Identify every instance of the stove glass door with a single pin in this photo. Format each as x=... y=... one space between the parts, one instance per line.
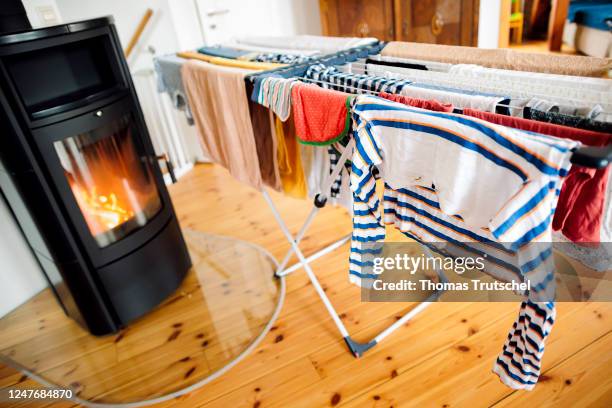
x=112 y=183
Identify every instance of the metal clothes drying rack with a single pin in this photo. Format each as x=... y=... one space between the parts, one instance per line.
x=320 y=200
x=586 y=156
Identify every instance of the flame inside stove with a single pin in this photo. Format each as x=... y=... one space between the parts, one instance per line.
x=102 y=212
x=110 y=181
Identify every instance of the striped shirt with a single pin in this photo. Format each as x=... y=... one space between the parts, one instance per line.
x=461 y=185
x=348 y=82
x=283 y=58
x=275 y=93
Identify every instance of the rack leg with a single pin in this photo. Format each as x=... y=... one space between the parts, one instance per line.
x=335 y=245
x=355 y=347
x=280 y=271
x=313 y=279
x=322 y=197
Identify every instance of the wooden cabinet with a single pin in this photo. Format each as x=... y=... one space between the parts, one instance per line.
x=452 y=22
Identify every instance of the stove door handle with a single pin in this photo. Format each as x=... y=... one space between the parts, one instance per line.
x=169 y=166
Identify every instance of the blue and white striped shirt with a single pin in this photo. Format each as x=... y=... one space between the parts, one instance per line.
x=495 y=192
x=347 y=82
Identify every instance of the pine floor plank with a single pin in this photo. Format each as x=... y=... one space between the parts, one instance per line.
x=441 y=380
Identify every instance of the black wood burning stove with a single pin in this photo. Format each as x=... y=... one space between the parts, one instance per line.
x=80 y=175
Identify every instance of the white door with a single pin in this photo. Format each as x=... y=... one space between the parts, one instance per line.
x=216 y=20
x=223 y=20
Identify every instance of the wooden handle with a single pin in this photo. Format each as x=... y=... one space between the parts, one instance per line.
x=437 y=24
x=136 y=36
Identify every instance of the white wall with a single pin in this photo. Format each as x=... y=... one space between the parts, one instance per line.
x=159 y=33
x=488 y=23
x=175 y=24
x=42 y=13
x=226 y=19
x=20 y=274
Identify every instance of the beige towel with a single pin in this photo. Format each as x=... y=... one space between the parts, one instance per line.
x=220 y=108
x=501 y=58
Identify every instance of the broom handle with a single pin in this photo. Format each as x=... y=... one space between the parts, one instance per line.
x=136 y=36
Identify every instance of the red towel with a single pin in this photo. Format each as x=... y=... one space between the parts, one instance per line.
x=579 y=212
x=321 y=116
x=418 y=103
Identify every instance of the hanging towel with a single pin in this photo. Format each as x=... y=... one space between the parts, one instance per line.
x=227 y=62
x=501 y=58
x=322 y=116
x=579 y=214
x=223 y=52
x=221 y=112
x=431 y=104
x=289 y=159
x=168 y=72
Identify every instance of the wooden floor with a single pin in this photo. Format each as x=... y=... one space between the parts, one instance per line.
x=225 y=302
x=542 y=47
x=442 y=358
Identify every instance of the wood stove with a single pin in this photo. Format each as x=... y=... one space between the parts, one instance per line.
x=80 y=174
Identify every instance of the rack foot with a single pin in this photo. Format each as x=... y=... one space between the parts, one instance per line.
x=358 y=348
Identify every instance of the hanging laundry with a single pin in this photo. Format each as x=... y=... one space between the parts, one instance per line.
x=430 y=65
x=409 y=65
x=168 y=72
x=223 y=52
x=322 y=116
x=501 y=58
x=606 y=229
x=323 y=44
x=579 y=213
x=266 y=144
x=420 y=89
x=228 y=62
x=551 y=81
x=316 y=163
x=431 y=105
x=343 y=81
x=334 y=158
x=282 y=58
x=275 y=93
x=598 y=259
x=569 y=120
x=566 y=98
x=456 y=97
x=255 y=50
x=216 y=95
x=415 y=149
x=547 y=106
x=289 y=159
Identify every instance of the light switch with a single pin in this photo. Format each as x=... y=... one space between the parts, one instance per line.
x=47 y=15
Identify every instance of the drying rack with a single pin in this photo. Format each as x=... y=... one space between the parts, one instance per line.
x=587 y=156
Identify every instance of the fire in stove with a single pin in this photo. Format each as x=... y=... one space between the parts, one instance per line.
x=112 y=185
x=102 y=212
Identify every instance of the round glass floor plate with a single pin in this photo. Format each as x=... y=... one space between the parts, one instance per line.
x=226 y=304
